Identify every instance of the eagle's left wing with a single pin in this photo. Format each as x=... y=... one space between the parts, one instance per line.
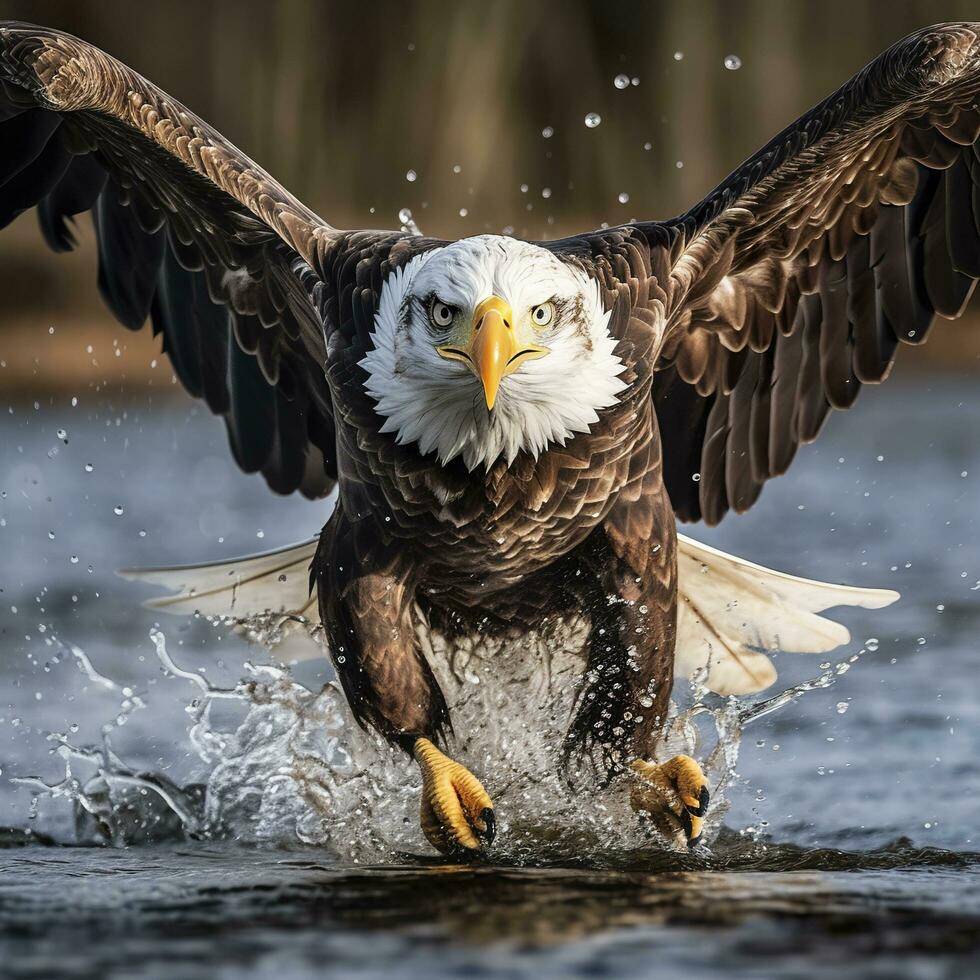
x=794 y=282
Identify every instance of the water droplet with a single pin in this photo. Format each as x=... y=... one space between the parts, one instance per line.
x=74 y=559
x=51 y=535
x=63 y=436
x=842 y=706
x=696 y=477
x=592 y=119
x=546 y=192
x=548 y=132
x=648 y=146
x=463 y=212
x=408 y=222
x=89 y=467
x=411 y=176
x=678 y=56
x=260 y=534
x=624 y=198
x=118 y=510
x=732 y=62
x=621 y=81
x=142 y=533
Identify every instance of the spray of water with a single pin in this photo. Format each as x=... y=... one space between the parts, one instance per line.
x=295 y=768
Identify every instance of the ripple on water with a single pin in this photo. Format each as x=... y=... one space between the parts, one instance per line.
x=201 y=908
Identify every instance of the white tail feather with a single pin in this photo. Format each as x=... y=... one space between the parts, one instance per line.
x=730 y=610
x=254 y=585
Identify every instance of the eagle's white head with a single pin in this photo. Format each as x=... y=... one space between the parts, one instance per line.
x=490 y=346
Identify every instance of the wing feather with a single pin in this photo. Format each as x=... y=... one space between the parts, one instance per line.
x=231 y=268
x=852 y=230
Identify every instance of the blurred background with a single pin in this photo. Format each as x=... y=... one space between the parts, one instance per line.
x=469 y=114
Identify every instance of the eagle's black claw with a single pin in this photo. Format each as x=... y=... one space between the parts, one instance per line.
x=686 y=825
x=702 y=808
x=490 y=820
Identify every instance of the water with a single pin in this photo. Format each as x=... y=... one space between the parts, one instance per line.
x=851 y=841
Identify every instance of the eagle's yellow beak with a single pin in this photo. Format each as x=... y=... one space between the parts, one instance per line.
x=493 y=349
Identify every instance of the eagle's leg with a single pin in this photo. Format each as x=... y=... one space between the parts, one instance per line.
x=632 y=561
x=457 y=814
x=368 y=608
x=674 y=795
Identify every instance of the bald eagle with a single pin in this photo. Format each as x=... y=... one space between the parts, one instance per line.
x=514 y=428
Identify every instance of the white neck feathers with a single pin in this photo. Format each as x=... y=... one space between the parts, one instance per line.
x=438 y=404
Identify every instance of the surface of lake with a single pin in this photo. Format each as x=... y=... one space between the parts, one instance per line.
x=852 y=845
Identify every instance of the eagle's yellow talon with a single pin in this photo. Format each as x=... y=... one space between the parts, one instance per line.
x=456 y=814
x=671 y=794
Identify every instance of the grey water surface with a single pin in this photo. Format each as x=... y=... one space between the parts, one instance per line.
x=852 y=846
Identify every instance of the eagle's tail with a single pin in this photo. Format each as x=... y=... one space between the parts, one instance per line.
x=730 y=610
x=254 y=585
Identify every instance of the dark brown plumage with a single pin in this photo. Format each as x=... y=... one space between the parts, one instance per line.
x=741 y=324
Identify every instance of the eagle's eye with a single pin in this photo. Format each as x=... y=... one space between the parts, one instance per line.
x=441 y=314
x=543 y=314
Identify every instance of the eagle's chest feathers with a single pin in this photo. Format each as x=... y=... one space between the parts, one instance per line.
x=496 y=531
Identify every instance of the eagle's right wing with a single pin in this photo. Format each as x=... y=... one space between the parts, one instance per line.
x=231 y=268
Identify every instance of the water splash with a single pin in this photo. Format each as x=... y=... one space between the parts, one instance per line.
x=295 y=769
